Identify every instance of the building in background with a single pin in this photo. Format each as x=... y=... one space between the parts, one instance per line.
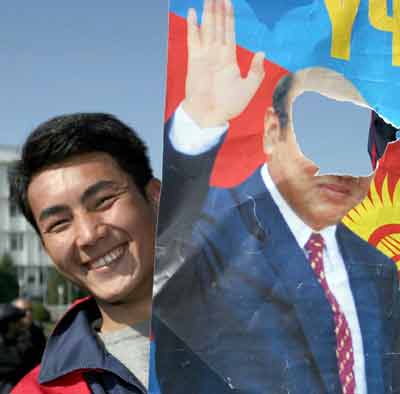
x=19 y=239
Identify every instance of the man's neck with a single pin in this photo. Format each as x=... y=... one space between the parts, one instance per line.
x=116 y=316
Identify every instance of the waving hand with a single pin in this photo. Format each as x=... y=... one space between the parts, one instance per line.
x=215 y=90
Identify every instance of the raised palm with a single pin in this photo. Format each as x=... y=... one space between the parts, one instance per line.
x=215 y=89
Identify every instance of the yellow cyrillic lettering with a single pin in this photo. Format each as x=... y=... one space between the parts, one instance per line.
x=342 y=14
x=379 y=19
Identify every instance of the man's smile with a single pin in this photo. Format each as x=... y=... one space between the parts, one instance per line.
x=108 y=258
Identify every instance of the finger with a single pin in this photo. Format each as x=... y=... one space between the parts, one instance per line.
x=230 y=35
x=193 y=34
x=208 y=22
x=220 y=21
x=256 y=72
x=257 y=64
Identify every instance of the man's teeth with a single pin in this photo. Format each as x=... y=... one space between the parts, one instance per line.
x=108 y=258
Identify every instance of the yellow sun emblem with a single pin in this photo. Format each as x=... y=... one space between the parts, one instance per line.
x=377 y=219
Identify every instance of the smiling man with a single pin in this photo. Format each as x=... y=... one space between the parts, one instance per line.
x=85 y=184
x=271 y=293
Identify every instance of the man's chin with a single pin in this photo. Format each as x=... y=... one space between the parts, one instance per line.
x=111 y=299
x=120 y=297
x=122 y=292
x=325 y=218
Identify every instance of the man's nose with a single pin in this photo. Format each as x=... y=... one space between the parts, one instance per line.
x=89 y=229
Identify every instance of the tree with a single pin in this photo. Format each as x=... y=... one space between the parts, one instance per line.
x=40 y=313
x=9 y=288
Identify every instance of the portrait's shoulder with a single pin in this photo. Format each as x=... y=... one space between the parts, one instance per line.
x=222 y=199
x=219 y=198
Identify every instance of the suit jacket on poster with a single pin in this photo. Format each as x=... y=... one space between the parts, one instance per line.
x=247 y=313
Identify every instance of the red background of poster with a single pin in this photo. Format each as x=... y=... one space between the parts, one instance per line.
x=233 y=164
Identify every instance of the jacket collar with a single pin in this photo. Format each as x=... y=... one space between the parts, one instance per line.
x=73 y=346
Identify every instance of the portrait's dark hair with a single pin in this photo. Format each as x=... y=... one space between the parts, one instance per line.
x=66 y=136
x=280 y=100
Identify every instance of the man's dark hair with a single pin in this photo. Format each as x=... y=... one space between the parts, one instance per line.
x=280 y=100
x=65 y=136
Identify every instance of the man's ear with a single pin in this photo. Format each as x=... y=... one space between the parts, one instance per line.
x=271 y=131
x=153 y=191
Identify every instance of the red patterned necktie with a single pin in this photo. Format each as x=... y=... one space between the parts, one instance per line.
x=344 y=345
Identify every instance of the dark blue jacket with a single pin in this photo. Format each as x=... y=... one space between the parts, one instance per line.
x=247 y=303
x=75 y=363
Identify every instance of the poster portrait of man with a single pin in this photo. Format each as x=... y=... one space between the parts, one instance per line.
x=259 y=287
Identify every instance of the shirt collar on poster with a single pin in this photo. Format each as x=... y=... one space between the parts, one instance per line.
x=299 y=229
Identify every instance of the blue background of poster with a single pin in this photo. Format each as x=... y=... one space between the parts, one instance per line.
x=297 y=34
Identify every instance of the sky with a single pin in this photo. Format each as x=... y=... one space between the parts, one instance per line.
x=63 y=57
x=94 y=55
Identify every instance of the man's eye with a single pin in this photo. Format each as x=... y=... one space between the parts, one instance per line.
x=105 y=201
x=57 y=226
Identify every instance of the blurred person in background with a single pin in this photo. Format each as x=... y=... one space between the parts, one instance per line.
x=15 y=343
x=34 y=356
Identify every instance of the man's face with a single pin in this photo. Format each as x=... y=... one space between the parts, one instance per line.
x=319 y=201
x=96 y=226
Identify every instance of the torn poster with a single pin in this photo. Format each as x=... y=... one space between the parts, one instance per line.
x=275 y=269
